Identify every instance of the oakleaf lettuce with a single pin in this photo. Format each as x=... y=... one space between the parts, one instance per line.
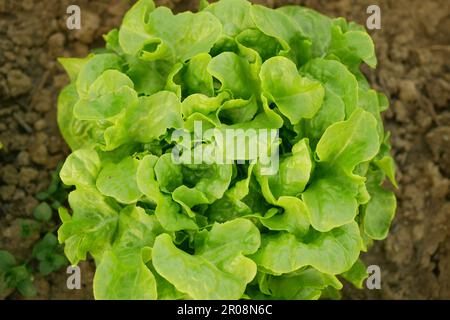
x=162 y=229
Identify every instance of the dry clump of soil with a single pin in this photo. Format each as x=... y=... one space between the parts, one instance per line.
x=413 y=70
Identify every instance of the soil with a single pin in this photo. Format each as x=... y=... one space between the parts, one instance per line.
x=413 y=48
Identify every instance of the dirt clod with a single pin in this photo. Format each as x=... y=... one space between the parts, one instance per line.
x=90 y=23
x=18 y=82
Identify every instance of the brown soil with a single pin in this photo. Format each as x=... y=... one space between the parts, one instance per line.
x=413 y=47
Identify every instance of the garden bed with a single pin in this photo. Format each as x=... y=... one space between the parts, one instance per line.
x=414 y=71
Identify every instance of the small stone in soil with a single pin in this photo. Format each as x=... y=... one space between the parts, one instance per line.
x=27 y=174
x=41 y=124
x=19 y=83
x=9 y=174
x=39 y=154
x=408 y=91
x=6 y=192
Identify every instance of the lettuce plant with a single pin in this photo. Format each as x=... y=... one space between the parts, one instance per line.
x=158 y=229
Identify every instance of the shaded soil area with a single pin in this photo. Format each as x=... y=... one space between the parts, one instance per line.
x=413 y=48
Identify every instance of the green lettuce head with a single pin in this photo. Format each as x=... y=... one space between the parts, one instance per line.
x=164 y=229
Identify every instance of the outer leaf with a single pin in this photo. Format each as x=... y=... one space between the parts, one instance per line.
x=294 y=172
x=238 y=110
x=76 y=133
x=333 y=197
x=219 y=269
x=133 y=33
x=368 y=100
x=268 y=119
x=379 y=211
x=170 y=216
x=306 y=284
x=119 y=181
x=90 y=228
x=266 y=46
x=235 y=74
x=166 y=290
x=331 y=200
x=357 y=274
x=290 y=35
x=148 y=77
x=185 y=34
x=332 y=252
x=81 y=168
x=196 y=78
x=146 y=179
x=212 y=181
x=200 y=103
x=331 y=111
x=387 y=165
x=168 y=173
x=352 y=44
x=162 y=109
x=73 y=66
x=108 y=95
x=233 y=14
x=348 y=143
x=122 y=273
x=314 y=25
x=297 y=97
x=94 y=68
x=294 y=219
x=336 y=78
x=112 y=41
x=231 y=206
x=136 y=229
